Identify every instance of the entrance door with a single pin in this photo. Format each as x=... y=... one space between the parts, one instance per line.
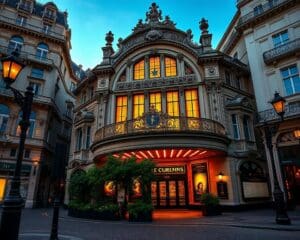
x=168 y=194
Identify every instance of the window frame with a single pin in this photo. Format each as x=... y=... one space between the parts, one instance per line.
x=235 y=127
x=282 y=37
x=4 y=117
x=291 y=77
x=195 y=108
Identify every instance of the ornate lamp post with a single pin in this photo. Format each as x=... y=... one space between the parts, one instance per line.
x=278 y=104
x=13 y=202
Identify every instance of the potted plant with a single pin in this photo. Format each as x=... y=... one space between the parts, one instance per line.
x=140 y=212
x=211 y=204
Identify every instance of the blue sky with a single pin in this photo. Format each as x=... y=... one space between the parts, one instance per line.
x=90 y=20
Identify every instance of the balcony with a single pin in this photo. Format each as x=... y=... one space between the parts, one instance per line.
x=292 y=110
x=285 y=50
x=12 y=22
x=160 y=131
x=26 y=8
x=266 y=10
x=45 y=62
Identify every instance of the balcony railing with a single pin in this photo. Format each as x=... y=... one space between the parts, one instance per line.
x=164 y=124
x=291 y=110
x=25 y=7
x=12 y=21
x=284 y=50
x=28 y=56
x=261 y=11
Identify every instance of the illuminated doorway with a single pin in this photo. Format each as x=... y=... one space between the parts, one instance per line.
x=2 y=188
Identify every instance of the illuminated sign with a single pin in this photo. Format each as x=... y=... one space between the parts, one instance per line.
x=169 y=170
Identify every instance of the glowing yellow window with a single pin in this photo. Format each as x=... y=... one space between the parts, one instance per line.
x=170 y=67
x=121 y=109
x=139 y=70
x=138 y=105
x=154 y=67
x=155 y=101
x=192 y=103
x=173 y=109
x=2 y=188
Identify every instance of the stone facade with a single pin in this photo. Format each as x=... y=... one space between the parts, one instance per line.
x=41 y=35
x=265 y=35
x=159 y=121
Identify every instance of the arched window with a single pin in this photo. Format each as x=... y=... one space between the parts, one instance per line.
x=15 y=44
x=170 y=67
x=139 y=70
x=4 y=115
x=31 y=127
x=42 y=51
x=154 y=67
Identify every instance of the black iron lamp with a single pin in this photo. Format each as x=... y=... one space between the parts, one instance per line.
x=13 y=202
x=278 y=104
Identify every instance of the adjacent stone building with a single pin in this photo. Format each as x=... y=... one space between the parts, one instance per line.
x=266 y=36
x=188 y=107
x=41 y=34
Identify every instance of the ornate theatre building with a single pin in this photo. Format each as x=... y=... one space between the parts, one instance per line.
x=186 y=106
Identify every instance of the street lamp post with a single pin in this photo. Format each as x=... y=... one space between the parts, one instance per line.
x=278 y=104
x=13 y=202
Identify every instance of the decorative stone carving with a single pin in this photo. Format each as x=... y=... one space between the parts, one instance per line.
x=109 y=38
x=153 y=35
x=102 y=83
x=154 y=15
x=203 y=25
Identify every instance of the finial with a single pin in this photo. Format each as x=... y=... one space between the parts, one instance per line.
x=109 y=38
x=153 y=15
x=203 y=25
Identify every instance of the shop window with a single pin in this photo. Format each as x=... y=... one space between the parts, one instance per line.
x=280 y=38
x=78 y=139
x=42 y=51
x=4 y=115
x=37 y=73
x=154 y=67
x=155 y=101
x=235 y=126
x=139 y=70
x=290 y=77
x=138 y=105
x=2 y=188
x=15 y=44
x=170 y=67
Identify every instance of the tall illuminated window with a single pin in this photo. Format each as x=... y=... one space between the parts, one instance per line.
x=192 y=103
x=170 y=67
x=138 y=105
x=155 y=101
x=121 y=109
x=139 y=70
x=154 y=67
x=173 y=109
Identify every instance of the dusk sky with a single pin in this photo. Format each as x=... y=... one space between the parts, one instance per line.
x=90 y=20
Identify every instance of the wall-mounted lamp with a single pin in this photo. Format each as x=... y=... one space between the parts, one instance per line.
x=220 y=176
x=35 y=164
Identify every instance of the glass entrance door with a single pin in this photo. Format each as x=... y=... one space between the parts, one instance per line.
x=168 y=194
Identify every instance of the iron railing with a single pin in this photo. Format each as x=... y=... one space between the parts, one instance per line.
x=282 y=51
x=165 y=124
x=260 y=11
x=291 y=110
x=12 y=21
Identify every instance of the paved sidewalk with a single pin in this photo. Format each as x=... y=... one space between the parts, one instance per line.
x=33 y=227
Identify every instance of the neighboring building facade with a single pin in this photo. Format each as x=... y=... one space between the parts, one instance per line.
x=42 y=36
x=266 y=36
x=186 y=106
